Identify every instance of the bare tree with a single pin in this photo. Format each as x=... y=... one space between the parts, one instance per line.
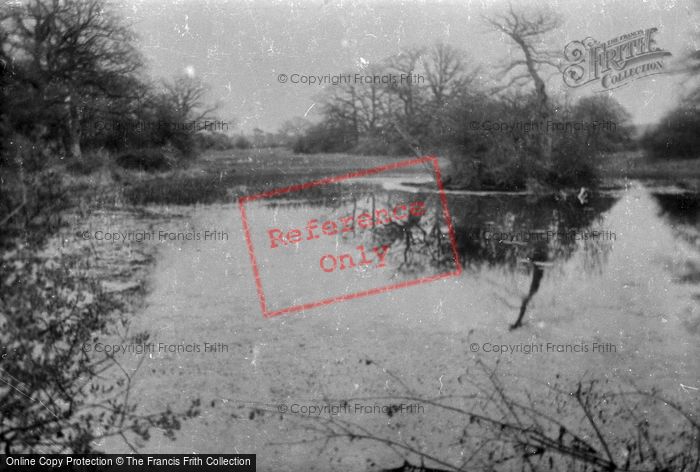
x=527 y=30
x=374 y=103
x=447 y=72
x=72 y=51
x=341 y=108
x=408 y=92
x=292 y=130
x=186 y=97
x=449 y=80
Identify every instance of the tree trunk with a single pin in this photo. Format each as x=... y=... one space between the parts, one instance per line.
x=543 y=102
x=546 y=142
x=71 y=138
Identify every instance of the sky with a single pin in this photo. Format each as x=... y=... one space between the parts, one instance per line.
x=241 y=47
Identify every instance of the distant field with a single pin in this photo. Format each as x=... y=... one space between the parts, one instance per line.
x=635 y=165
x=216 y=175
x=280 y=161
x=283 y=161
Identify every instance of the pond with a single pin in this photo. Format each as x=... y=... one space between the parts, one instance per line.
x=567 y=237
x=617 y=270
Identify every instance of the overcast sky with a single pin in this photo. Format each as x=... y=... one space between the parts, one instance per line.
x=240 y=48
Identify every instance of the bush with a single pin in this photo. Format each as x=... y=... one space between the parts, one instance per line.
x=677 y=136
x=496 y=157
x=324 y=138
x=507 y=425
x=216 y=141
x=90 y=163
x=609 y=123
x=62 y=399
x=148 y=160
x=242 y=142
x=573 y=164
x=22 y=152
x=380 y=146
x=31 y=205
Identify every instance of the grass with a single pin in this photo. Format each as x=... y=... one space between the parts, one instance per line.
x=636 y=165
x=176 y=190
x=221 y=176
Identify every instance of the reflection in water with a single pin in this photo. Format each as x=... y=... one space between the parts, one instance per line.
x=680 y=208
x=424 y=239
x=516 y=231
x=537 y=274
x=682 y=212
x=421 y=240
x=515 y=234
x=509 y=230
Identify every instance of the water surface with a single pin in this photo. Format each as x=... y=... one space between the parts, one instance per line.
x=634 y=286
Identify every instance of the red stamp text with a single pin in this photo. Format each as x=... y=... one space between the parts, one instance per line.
x=303 y=257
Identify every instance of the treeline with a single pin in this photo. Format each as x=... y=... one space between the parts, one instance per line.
x=69 y=70
x=497 y=137
x=73 y=80
x=74 y=95
x=677 y=135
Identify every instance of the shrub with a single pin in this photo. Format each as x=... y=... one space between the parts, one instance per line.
x=573 y=165
x=148 y=160
x=242 y=142
x=608 y=123
x=216 y=141
x=677 y=136
x=497 y=157
x=325 y=138
x=31 y=205
x=380 y=146
x=90 y=163
x=506 y=424
x=62 y=398
x=22 y=152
